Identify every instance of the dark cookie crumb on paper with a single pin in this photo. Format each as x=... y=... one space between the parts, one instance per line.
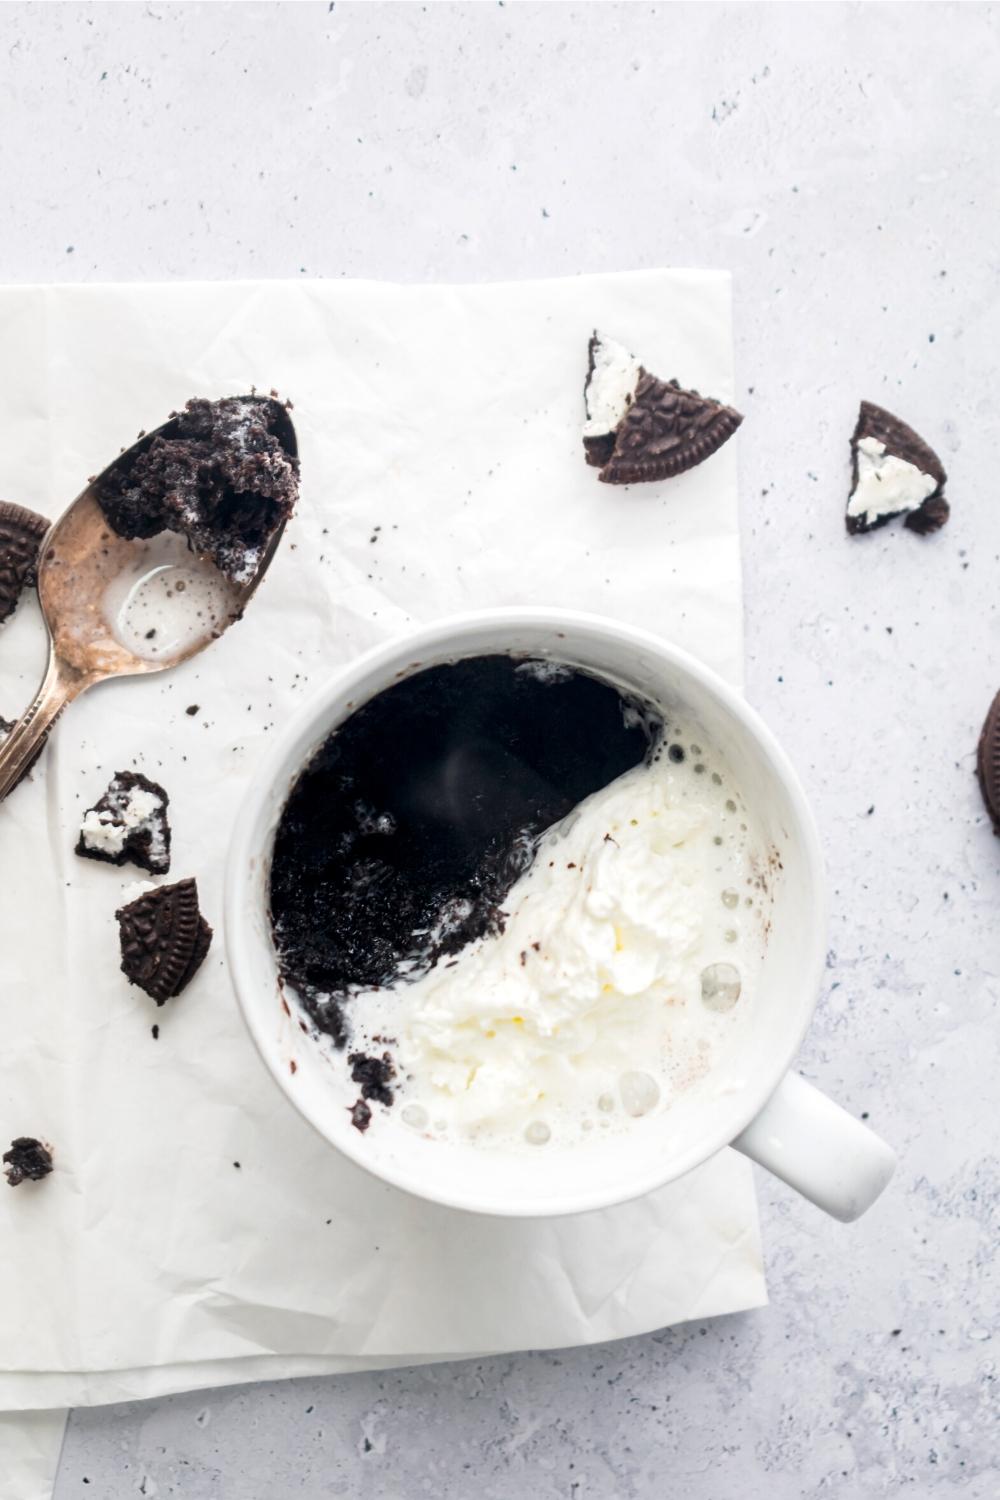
x=27 y=1160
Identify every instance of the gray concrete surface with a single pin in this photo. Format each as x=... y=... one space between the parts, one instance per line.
x=843 y=160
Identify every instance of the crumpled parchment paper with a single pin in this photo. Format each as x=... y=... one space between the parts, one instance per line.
x=196 y=1231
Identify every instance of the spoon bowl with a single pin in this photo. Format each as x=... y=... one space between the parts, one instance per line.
x=120 y=607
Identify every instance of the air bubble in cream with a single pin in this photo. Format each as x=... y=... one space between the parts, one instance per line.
x=720 y=986
x=640 y=1093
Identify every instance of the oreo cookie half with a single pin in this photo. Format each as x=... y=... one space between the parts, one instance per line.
x=129 y=822
x=893 y=473
x=27 y=1160
x=164 y=939
x=640 y=428
x=988 y=763
x=21 y=533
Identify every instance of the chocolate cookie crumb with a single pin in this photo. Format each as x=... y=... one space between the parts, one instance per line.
x=192 y=709
x=26 y=1160
x=21 y=534
x=129 y=822
x=225 y=474
x=164 y=939
x=156 y=1033
x=893 y=473
x=374 y=1075
x=361 y=1115
x=640 y=428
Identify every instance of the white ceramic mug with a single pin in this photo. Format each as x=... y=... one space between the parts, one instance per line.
x=775 y=1117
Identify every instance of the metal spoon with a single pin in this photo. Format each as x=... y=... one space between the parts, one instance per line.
x=86 y=573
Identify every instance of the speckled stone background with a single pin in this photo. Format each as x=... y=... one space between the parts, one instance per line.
x=844 y=161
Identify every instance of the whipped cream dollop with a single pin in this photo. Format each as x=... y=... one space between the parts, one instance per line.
x=887 y=485
x=589 y=1008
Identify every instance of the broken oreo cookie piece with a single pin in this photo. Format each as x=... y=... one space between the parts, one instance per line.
x=128 y=823
x=21 y=535
x=641 y=428
x=164 y=939
x=894 y=473
x=988 y=763
x=225 y=474
x=27 y=1160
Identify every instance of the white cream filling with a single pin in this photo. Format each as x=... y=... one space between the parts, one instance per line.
x=610 y=387
x=590 y=1004
x=887 y=485
x=106 y=830
x=135 y=889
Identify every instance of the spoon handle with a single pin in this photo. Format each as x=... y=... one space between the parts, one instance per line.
x=60 y=685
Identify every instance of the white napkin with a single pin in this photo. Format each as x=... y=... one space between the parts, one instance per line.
x=30 y=1444
x=441 y=469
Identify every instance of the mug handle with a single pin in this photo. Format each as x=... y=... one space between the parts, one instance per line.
x=818 y=1149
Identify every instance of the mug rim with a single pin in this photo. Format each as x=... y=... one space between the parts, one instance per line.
x=277 y=768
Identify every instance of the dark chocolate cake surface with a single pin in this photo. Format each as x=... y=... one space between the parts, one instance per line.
x=222 y=473
x=405 y=832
